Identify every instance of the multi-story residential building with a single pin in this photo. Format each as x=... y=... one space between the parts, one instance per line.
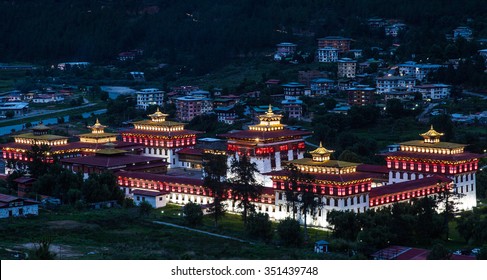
x=347 y=68
x=226 y=114
x=337 y=42
x=433 y=91
x=462 y=32
x=327 y=54
x=483 y=53
x=357 y=53
x=160 y=138
x=286 y=49
x=293 y=90
x=293 y=107
x=149 y=97
x=418 y=159
x=322 y=86
x=361 y=96
x=305 y=77
x=418 y=71
x=376 y=23
x=403 y=94
x=389 y=83
x=188 y=107
x=394 y=29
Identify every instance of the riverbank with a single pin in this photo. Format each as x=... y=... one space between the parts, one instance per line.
x=61 y=113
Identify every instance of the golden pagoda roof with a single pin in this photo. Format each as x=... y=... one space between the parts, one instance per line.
x=40 y=137
x=40 y=126
x=97 y=125
x=432 y=133
x=270 y=114
x=109 y=149
x=329 y=163
x=321 y=150
x=158 y=115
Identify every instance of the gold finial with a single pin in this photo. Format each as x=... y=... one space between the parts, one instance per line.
x=321 y=144
x=431 y=136
x=97 y=121
x=270 y=109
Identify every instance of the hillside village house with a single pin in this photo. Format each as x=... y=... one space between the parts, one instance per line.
x=12 y=206
x=226 y=115
x=286 y=49
x=327 y=54
x=361 y=96
x=149 y=97
x=293 y=107
x=433 y=91
x=389 y=83
x=293 y=90
x=462 y=32
x=321 y=86
x=188 y=107
x=418 y=71
x=17 y=108
x=337 y=42
x=347 y=68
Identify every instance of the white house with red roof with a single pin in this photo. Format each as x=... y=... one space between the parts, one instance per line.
x=12 y=206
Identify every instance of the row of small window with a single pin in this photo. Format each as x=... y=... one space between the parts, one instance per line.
x=461 y=178
x=409 y=175
x=156 y=151
x=327 y=200
x=466 y=188
x=138 y=198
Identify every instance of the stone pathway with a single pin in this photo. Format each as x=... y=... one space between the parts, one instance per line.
x=201 y=231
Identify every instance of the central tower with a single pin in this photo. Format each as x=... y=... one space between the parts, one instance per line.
x=267 y=143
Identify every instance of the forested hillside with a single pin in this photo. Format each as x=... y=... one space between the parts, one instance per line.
x=210 y=33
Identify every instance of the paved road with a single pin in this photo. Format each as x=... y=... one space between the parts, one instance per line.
x=202 y=232
x=40 y=113
x=423 y=117
x=466 y=92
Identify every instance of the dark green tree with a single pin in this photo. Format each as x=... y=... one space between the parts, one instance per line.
x=289 y=232
x=309 y=201
x=291 y=184
x=439 y=252
x=42 y=249
x=345 y=224
x=214 y=174
x=259 y=226
x=448 y=201
x=39 y=155
x=482 y=255
x=193 y=215
x=145 y=208
x=245 y=187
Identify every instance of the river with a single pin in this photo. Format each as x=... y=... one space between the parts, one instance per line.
x=8 y=129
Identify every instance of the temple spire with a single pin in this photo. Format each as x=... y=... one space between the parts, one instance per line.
x=158 y=116
x=97 y=128
x=321 y=153
x=431 y=136
x=269 y=111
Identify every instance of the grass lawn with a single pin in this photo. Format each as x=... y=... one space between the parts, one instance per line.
x=123 y=234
